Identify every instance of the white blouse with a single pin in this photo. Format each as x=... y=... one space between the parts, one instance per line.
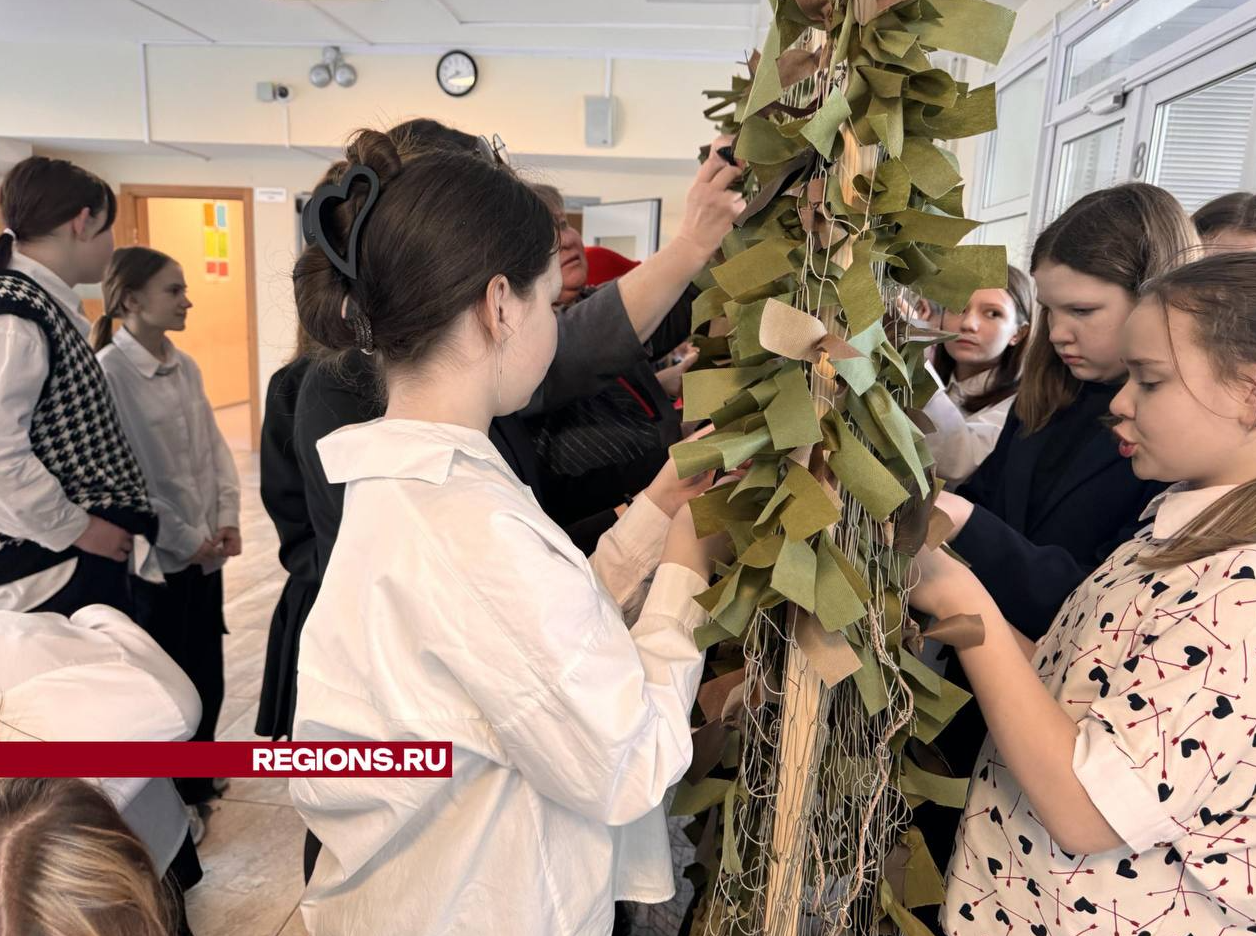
x=33 y=505
x=454 y=609
x=1155 y=667
x=190 y=473
x=97 y=676
x=963 y=440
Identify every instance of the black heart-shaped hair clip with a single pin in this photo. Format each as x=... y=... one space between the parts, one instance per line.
x=315 y=215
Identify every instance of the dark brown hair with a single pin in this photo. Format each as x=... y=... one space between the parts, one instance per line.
x=129 y=271
x=69 y=866
x=1233 y=212
x=424 y=133
x=1219 y=294
x=444 y=225
x=41 y=194
x=1123 y=235
x=1005 y=376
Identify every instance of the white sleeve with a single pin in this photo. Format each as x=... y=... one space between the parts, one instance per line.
x=963 y=440
x=98 y=677
x=594 y=716
x=33 y=505
x=161 y=704
x=224 y=462
x=628 y=553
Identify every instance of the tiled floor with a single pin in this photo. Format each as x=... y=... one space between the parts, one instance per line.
x=252 y=850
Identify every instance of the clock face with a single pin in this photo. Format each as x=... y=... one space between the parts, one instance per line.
x=456 y=73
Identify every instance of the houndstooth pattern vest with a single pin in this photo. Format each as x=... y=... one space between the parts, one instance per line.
x=75 y=431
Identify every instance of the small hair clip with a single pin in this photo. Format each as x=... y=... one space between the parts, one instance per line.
x=314 y=216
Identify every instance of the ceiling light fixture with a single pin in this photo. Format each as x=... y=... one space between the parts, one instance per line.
x=333 y=67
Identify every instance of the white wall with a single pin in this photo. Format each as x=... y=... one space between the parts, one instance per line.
x=203 y=97
x=12 y=152
x=274 y=225
x=274 y=234
x=206 y=94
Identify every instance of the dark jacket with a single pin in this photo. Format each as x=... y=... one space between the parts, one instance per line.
x=330 y=398
x=608 y=445
x=284 y=497
x=1029 y=556
x=283 y=487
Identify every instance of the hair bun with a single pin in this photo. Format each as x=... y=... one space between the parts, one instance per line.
x=376 y=151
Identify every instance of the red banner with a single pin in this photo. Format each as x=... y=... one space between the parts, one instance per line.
x=225 y=759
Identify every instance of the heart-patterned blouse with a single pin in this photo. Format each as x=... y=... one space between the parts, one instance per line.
x=1157 y=669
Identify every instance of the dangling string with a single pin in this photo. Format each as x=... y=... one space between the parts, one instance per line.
x=361 y=325
x=500 y=348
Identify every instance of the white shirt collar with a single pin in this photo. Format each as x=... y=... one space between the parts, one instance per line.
x=1179 y=505
x=403 y=448
x=56 y=287
x=142 y=358
x=975 y=385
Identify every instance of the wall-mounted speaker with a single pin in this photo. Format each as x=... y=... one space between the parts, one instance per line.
x=599 y=121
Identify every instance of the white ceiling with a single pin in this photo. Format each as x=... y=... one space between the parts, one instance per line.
x=703 y=28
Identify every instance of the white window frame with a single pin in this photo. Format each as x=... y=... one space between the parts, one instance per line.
x=1004 y=78
x=1062 y=135
x=1030 y=57
x=1237 y=55
x=1068 y=119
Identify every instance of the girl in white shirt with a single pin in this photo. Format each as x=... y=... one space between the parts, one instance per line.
x=453 y=608
x=980 y=372
x=1118 y=776
x=96 y=676
x=192 y=479
x=74 y=516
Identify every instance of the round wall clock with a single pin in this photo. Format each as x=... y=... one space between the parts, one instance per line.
x=456 y=73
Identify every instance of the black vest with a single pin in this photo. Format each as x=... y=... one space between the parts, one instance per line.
x=75 y=432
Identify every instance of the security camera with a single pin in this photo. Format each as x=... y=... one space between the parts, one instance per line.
x=268 y=91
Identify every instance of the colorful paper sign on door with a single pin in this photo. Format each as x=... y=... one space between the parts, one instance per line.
x=217 y=240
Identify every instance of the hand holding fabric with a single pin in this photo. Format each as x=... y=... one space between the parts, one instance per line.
x=946 y=586
x=683 y=547
x=668 y=491
x=670 y=377
x=710 y=205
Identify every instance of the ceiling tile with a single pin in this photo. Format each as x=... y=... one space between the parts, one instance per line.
x=85 y=21
x=256 y=21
